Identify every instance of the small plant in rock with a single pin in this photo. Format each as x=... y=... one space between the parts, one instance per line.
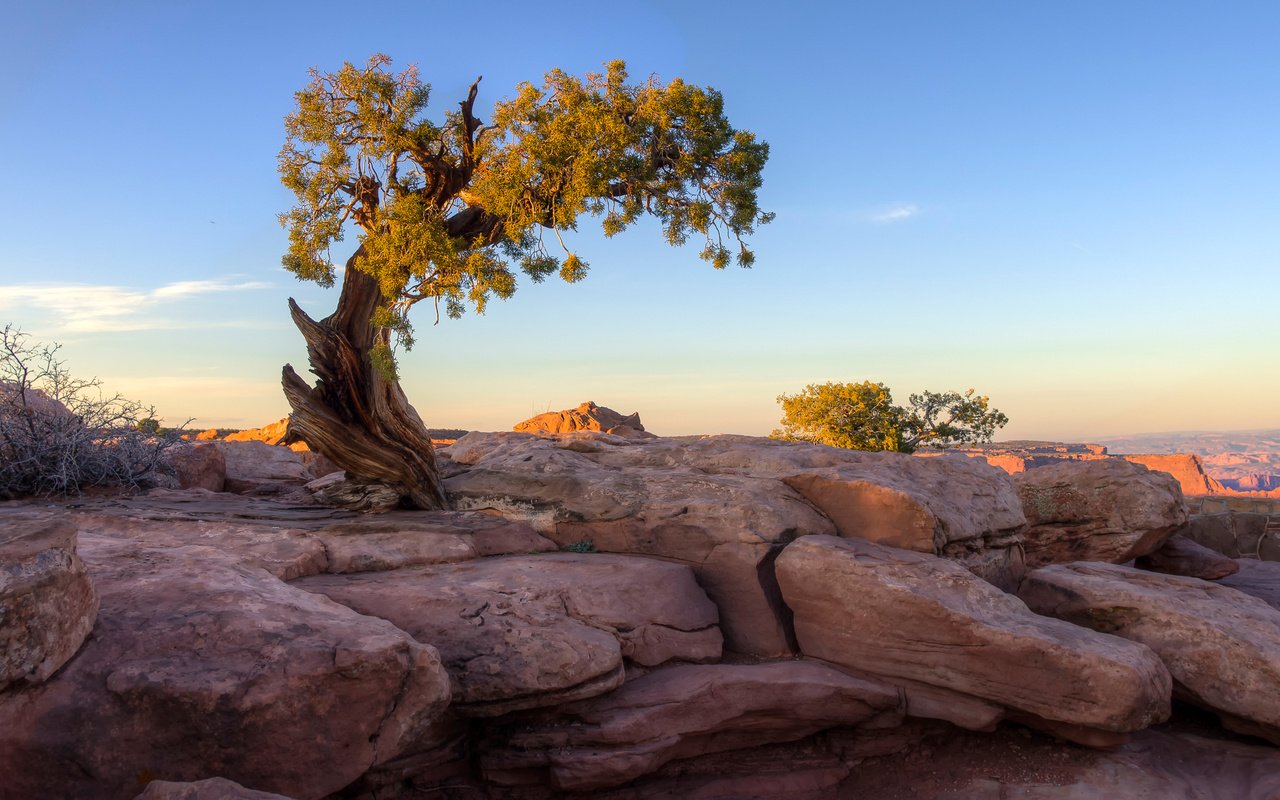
x=60 y=434
x=581 y=546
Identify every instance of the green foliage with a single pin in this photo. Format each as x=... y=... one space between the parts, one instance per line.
x=862 y=416
x=448 y=211
x=581 y=546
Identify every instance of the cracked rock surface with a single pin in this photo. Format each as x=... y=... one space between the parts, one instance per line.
x=525 y=631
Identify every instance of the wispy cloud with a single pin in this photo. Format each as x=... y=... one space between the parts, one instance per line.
x=895 y=212
x=88 y=308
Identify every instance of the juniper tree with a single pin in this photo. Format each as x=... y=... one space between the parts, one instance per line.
x=450 y=211
x=863 y=416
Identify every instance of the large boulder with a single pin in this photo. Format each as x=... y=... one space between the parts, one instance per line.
x=255 y=467
x=726 y=505
x=1222 y=646
x=586 y=417
x=524 y=632
x=914 y=619
x=200 y=465
x=47 y=602
x=201 y=666
x=682 y=712
x=1103 y=510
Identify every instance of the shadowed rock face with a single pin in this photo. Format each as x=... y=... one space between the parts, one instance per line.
x=209 y=789
x=200 y=666
x=1182 y=556
x=682 y=712
x=1107 y=510
x=522 y=632
x=1222 y=646
x=47 y=603
x=898 y=614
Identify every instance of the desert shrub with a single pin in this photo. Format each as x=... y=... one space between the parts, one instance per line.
x=581 y=546
x=60 y=434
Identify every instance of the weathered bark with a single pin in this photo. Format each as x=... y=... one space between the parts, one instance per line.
x=354 y=415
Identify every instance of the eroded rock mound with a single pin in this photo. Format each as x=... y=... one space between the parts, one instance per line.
x=586 y=417
x=1106 y=510
x=903 y=615
x=1222 y=646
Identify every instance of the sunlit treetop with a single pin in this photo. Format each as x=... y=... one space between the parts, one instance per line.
x=448 y=210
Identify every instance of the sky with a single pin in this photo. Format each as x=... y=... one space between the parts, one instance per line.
x=1071 y=207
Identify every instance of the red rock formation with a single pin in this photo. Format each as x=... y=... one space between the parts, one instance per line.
x=586 y=417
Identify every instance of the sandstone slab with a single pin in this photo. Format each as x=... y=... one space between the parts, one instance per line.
x=1221 y=646
x=523 y=632
x=47 y=602
x=1100 y=510
x=417 y=539
x=682 y=712
x=285 y=552
x=202 y=666
x=905 y=615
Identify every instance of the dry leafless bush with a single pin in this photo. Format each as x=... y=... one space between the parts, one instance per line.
x=60 y=434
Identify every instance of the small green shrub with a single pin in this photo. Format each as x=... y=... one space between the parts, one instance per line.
x=581 y=546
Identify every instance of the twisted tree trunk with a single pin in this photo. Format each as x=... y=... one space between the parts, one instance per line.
x=354 y=415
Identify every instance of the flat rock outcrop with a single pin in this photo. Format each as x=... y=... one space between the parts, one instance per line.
x=47 y=602
x=726 y=505
x=586 y=417
x=523 y=632
x=1221 y=645
x=1105 y=510
x=1182 y=556
x=682 y=712
x=908 y=616
x=202 y=666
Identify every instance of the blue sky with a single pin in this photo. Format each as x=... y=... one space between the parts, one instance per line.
x=1072 y=207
